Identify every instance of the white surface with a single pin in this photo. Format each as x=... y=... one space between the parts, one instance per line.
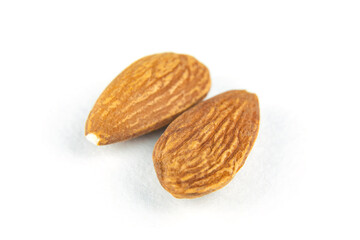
x=301 y=181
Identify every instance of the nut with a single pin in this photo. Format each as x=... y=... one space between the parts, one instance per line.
x=146 y=96
x=202 y=150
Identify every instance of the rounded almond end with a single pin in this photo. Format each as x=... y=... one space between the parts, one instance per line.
x=91 y=137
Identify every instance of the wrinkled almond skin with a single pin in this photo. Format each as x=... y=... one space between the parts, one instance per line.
x=146 y=96
x=203 y=149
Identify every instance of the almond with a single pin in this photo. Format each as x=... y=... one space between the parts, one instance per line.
x=203 y=149
x=146 y=96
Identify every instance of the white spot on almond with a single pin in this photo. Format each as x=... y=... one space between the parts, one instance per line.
x=93 y=138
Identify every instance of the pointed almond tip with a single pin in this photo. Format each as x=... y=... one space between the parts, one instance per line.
x=91 y=137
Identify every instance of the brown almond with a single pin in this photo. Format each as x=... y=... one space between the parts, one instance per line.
x=203 y=149
x=146 y=96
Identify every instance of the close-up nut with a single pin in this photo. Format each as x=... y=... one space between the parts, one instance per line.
x=146 y=96
x=202 y=150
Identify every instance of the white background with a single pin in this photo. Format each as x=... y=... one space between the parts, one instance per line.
x=301 y=180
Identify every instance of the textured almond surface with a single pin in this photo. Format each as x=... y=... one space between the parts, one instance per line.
x=146 y=96
x=205 y=147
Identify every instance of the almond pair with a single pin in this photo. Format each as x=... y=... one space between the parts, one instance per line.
x=203 y=148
